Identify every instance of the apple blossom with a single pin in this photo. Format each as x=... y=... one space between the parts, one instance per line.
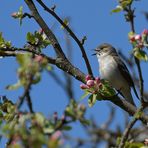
x=138 y=37
x=84 y=86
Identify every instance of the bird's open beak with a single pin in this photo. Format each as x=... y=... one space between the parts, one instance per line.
x=95 y=52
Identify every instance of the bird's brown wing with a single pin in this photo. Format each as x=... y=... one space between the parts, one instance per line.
x=125 y=73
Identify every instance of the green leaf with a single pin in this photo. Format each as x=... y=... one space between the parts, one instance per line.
x=24 y=59
x=92 y=100
x=106 y=89
x=31 y=38
x=141 y=55
x=85 y=122
x=14 y=86
x=3 y=43
x=1 y=38
x=99 y=97
x=40 y=119
x=21 y=10
x=45 y=43
x=125 y=3
x=86 y=93
x=134 y=145
x=49 y=130
x=38 y=39
x=1 y=114
x=8 y=44
x=69 y=112
x=117 y=9
x=20 y=15
x=67 y=128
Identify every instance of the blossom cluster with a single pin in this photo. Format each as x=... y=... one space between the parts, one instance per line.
x=92 y=85
x=146 y=141
x=139 y=40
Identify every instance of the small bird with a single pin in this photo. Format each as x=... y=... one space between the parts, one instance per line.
x=113 y=69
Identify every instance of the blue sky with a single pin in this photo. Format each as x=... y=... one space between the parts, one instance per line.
x=90 y=18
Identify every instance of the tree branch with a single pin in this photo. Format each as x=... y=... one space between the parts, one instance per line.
x=129 y=108
x=46 y=29
x=61 y=63
x=29 y=101
x=84 y=55
x=126 y=133
x=22 y=98
x=75 y=72
x=131 y=16
x=141 y=80
x=128 y=128
x=13 y=51
x=26 y=95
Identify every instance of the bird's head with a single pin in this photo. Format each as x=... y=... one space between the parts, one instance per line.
x=104 y=50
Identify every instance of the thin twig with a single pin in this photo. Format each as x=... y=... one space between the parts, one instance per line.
x=61 y=60
x=13 y=51
x=126 y=133
x=131 y=17
x=26 y=95
x=62 y=64
x=141 y=80
x=71 y=33
x=28 y=99
x=22 y=98
x=27 y=15
x=129 y=127
x=122 y=103
x=46 y=29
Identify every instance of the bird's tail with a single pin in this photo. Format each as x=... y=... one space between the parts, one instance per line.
x=128 y=96
x=135 y=91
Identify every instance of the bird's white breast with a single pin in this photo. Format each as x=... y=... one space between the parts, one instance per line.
x=108 y=66
x=109 y=71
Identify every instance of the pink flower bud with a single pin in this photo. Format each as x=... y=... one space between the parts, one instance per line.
x=90 y=83
x=88 y=77
x=146 y=141
x=97 y=80
x=14 y=14
x=56 y=135
x=83 y=86
x=145 y=32
x=38 y=58
x=138 y=37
